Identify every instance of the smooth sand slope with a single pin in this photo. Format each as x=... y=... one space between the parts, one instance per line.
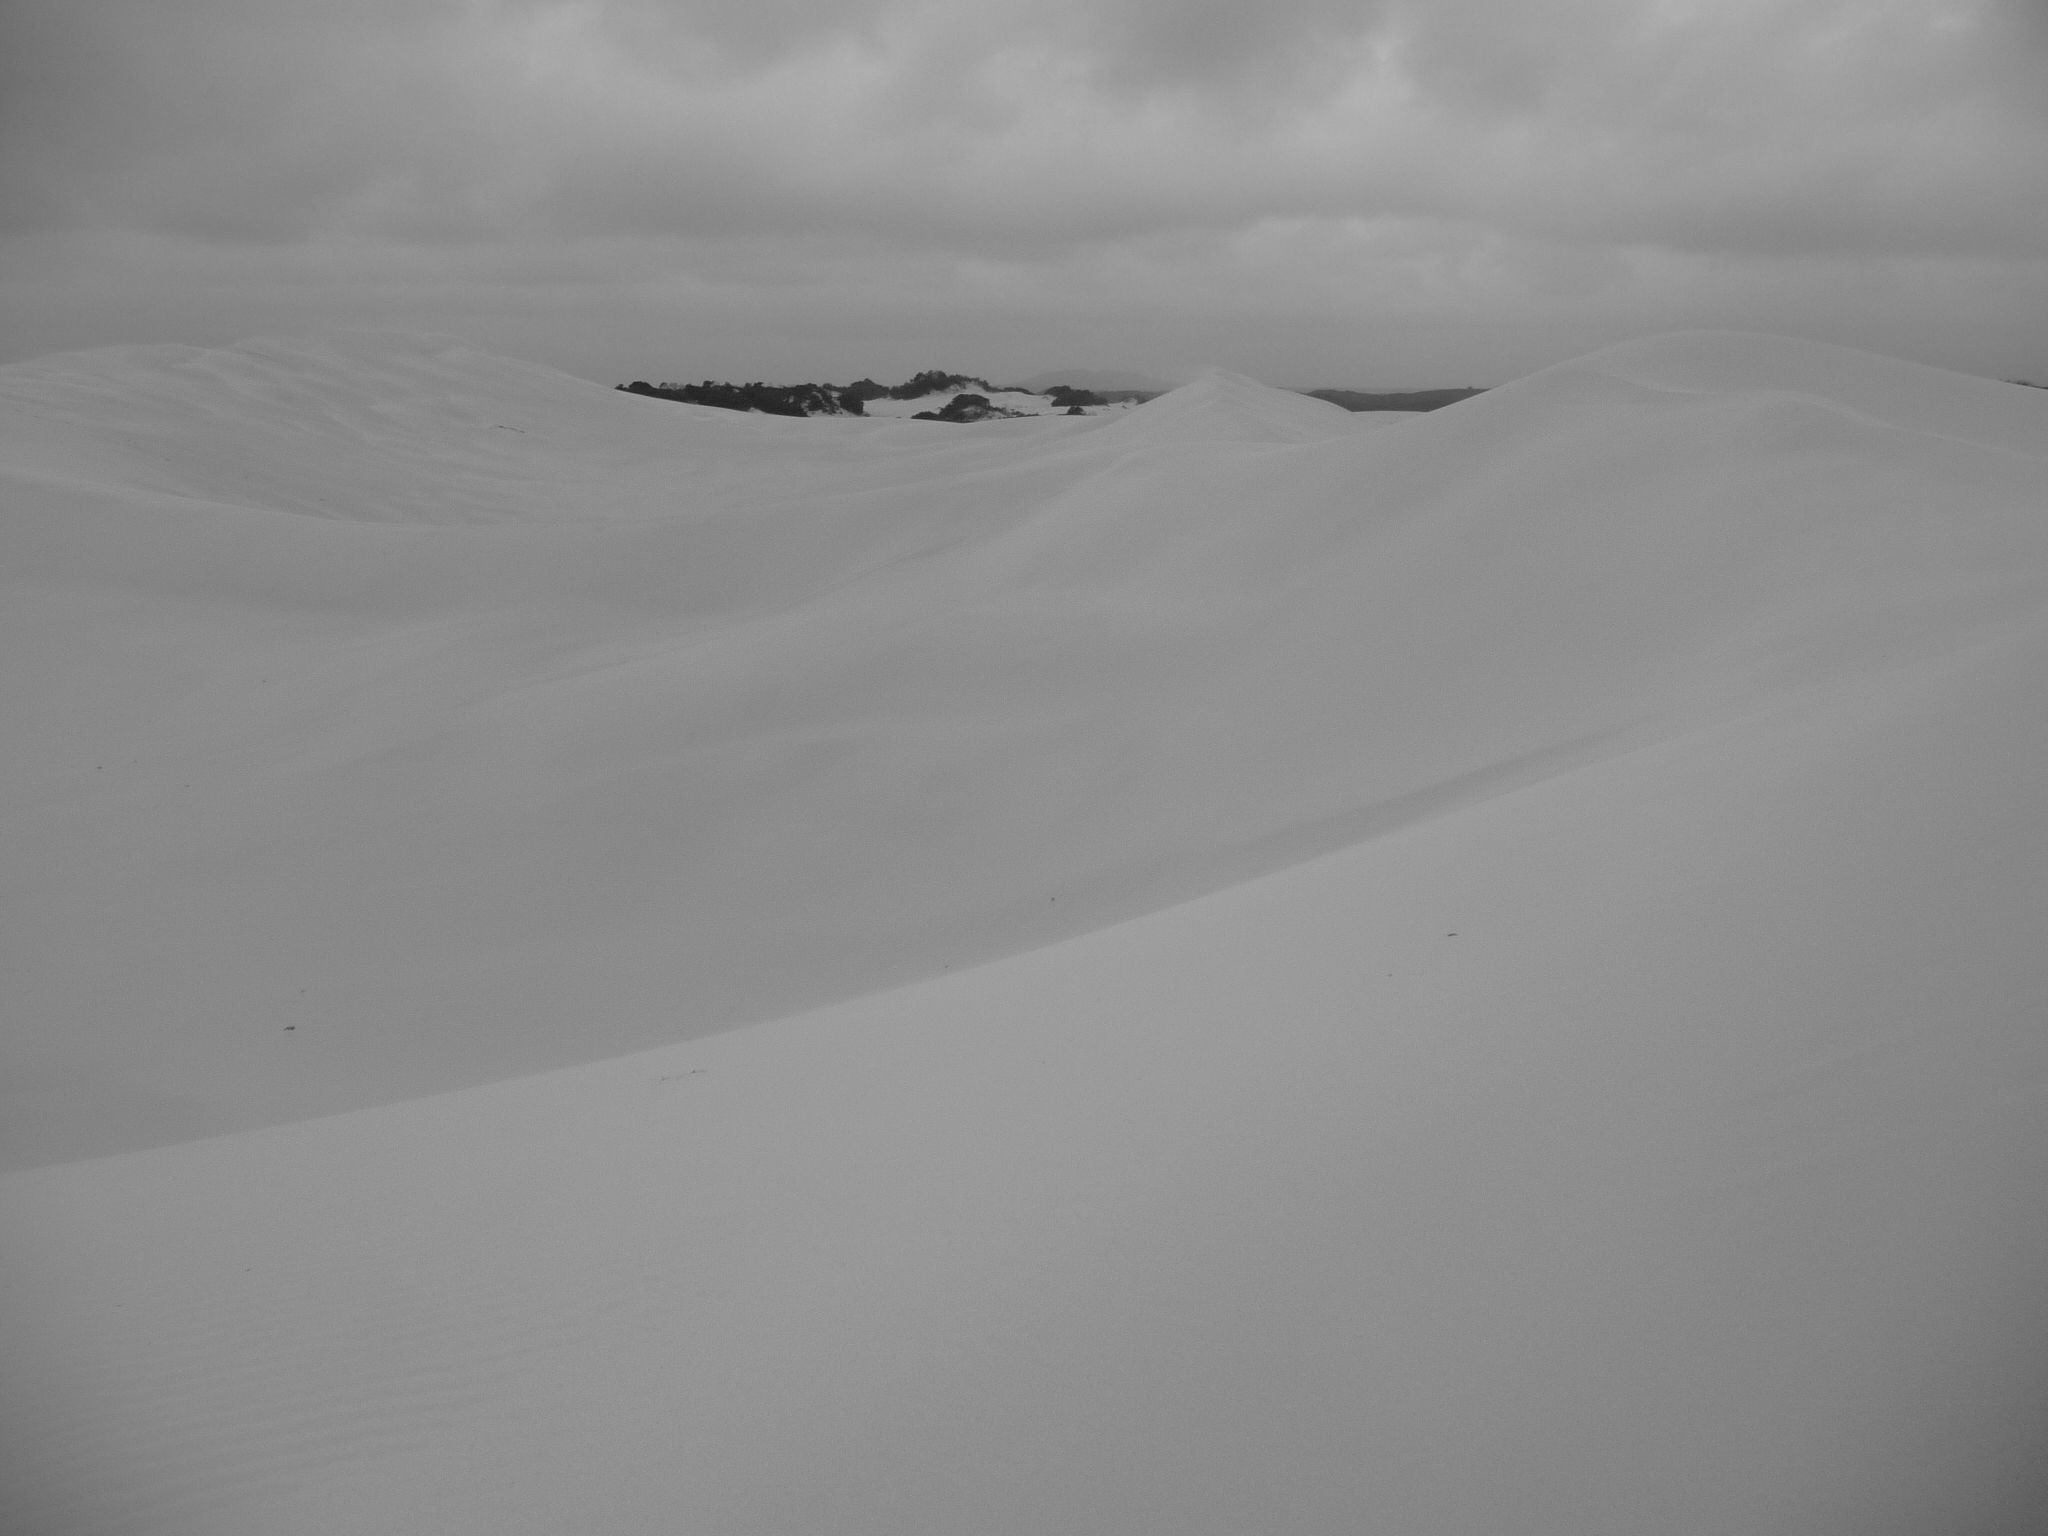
x=1524 y=999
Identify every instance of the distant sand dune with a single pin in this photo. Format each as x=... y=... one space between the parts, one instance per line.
x=1477 y=974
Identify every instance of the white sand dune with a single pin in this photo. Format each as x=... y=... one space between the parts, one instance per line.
x=1481 y=974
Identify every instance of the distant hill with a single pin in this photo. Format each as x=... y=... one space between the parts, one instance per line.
x=1413 y=400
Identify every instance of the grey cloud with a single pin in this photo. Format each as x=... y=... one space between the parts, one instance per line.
x=682 y=35
x=1126 y=44
x=1827 y=121
x=1554 y=137
x=240 y=117
x=1285 y=48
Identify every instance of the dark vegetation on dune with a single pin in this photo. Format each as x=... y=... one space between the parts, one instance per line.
x=971 y=404
x=963 y=408
x=775 y=399
x=809 y=399
x=1069 y=398
x=973 y=407
x=934 y=382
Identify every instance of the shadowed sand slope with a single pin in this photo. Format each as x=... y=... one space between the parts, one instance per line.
x=1479 y=975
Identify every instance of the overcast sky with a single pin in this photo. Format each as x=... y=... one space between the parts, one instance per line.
x=1345 y=192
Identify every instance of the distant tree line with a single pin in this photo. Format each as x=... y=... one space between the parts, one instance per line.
x=851 y=399
x=973 y=407
x=812 y=399
x=930 y=382
x=775 y=399
x=1072 y=400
